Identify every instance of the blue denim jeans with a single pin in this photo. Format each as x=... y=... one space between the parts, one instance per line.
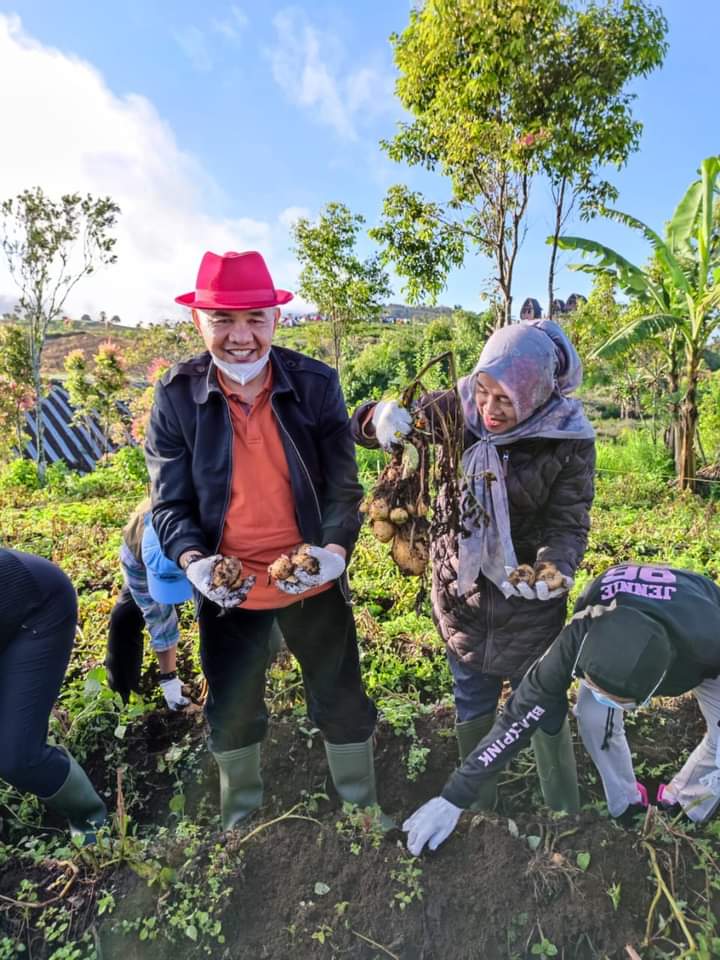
x=477 y=694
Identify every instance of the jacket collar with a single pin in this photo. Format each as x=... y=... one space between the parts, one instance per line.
x=203 y=375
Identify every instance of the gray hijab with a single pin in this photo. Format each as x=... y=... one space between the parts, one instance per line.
x=537 y=367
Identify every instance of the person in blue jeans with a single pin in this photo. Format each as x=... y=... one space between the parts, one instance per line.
x=38 y=617
x=153 y=585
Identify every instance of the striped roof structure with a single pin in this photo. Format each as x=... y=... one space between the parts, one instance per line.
x=80 y=444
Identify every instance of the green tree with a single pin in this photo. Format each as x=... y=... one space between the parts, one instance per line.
x=343 y=287
x=50 y=246
x=581 y=110
x=98 y=393
x=679 y=293
x=499 y=89
x=16 y=386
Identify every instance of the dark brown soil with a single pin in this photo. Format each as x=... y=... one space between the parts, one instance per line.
x=486 y=893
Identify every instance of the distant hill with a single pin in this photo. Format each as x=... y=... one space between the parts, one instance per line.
x=417 y=313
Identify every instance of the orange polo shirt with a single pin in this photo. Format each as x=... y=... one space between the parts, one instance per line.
x=260 y=522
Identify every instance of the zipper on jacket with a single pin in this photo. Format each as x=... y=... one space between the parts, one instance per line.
x=342 y=580
x=505 y=462
x=302 y=462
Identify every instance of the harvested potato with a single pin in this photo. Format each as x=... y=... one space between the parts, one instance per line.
x=383 y=530
x=411 y=557
x=548 y=573
x=282 y=568
x=227 y=572
x=398 y=516
x=379 y=509
x=302 y=560
x=522 y=574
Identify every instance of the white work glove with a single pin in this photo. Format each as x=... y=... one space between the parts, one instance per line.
x=540 y=590
x=172 y=691
x=331 y=567
x=432 y=823
x=392 y=422
x=200 y=573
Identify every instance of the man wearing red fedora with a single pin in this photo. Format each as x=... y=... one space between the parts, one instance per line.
x=250 y=454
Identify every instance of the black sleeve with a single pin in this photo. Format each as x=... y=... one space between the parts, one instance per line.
x=543 y=687
x=566 y=517
x=341 y=518
x=169 y=461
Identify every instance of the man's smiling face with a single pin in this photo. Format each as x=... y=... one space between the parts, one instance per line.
x=237 y=336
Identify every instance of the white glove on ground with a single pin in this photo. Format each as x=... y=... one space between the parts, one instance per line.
x=392 y=422
x=540 y=590
x=432 y=823
x=172 y=691
x=200 y=572
x=331 y=567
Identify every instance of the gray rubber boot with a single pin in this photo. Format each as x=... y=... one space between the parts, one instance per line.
x=468 y=734
x=352 y=768
x=78 y=800
x=241 y=785
x=555 y=762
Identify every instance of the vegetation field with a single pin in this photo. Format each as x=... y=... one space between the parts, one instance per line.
x=303 y=878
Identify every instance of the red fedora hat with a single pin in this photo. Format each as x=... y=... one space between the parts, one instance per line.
x=233 y=281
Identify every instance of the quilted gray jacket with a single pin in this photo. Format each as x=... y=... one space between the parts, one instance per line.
x=550 y=487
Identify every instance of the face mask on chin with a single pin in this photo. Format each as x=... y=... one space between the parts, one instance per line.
x=242 y=373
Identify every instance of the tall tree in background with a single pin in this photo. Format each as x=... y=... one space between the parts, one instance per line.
x=50 y=246
x=342 y=286
x=581 y=110
x=679 y=293
x=499 y=90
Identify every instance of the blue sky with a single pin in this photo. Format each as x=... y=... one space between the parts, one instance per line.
x=215 y=125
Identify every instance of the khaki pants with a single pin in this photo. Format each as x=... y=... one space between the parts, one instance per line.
x=614 y=763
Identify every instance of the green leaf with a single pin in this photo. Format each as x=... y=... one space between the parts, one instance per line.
x=191 y=932
x=321 y=889
x=534 y=842
x=120 y=731
x=583 y=860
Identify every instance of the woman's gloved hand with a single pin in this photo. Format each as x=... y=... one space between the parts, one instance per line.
x=220 y=579
x=392 y=422
x=431 y=823
x=322 y=566
x=171 y=687
x=542 y=582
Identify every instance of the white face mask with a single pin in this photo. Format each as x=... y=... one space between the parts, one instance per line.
x=242 y=373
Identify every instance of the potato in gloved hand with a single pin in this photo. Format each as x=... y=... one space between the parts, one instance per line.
x=308 y=567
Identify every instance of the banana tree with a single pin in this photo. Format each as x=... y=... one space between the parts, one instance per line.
x=679 y=292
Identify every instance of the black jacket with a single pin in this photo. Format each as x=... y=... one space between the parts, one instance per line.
x=188 y=449
x=690 y=612
x=550 y=488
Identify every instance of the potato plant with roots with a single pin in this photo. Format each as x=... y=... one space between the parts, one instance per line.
x=417 y=495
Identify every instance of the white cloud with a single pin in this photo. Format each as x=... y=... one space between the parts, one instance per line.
x=66 y=131
x=193 y=43
x=232 y=26
x=290 y=215
x=306 y=64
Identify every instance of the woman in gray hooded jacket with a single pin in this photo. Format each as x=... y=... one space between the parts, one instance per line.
x=528 y=469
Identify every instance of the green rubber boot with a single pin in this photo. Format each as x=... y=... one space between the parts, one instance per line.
x=555 y=762
x=468 y=734
x=241 y=786
x=352 y=768
x=78 y=800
